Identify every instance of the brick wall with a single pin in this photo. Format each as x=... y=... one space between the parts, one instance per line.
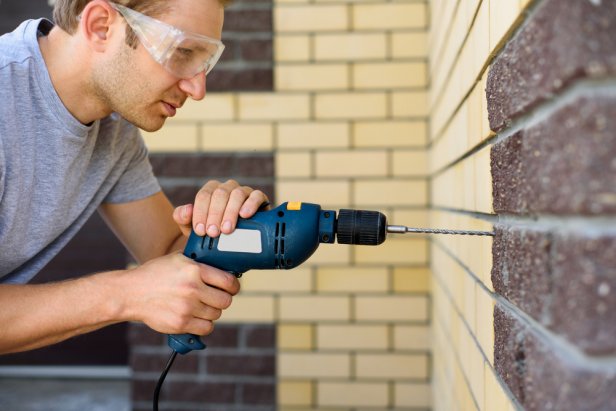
x=553 y=177
x=236 y=371
x=522 y=130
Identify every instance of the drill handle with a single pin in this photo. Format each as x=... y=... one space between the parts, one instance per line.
x=185 y=343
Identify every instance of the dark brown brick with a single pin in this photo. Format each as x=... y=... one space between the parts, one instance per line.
x=261 y=336
x=149 y=362
x=241 y=364
x=565 y=281
x=78 y=351
x=231 y=52
x=242 y=79
x=142 y=390
x=204 y=392
x=562 y=41
x=521 y=268
x=223 y=336
x=259 y=394
x=564 y=165
x=584 y=297
x=255 y=166
x=543 y=377
x=141 y=335
x=248 y=20
x=256 y=50
x=193 y=165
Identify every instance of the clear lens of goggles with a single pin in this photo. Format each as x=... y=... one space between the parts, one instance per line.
x=183 y=54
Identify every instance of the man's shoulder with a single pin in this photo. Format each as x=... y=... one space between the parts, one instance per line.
x=14 y=47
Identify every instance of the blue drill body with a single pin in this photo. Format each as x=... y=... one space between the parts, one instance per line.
x=281 y=238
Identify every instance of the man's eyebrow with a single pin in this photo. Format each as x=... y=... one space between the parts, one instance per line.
x=196 y=47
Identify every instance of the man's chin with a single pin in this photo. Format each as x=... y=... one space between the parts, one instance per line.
x=152 y=129
x=150 y=126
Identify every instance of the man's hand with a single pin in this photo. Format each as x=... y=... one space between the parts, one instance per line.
x=174 y=294
x=217 y=207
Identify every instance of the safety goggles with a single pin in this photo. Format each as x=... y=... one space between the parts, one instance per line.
x=183 y=54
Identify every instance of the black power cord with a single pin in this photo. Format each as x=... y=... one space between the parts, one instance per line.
x=162 y=379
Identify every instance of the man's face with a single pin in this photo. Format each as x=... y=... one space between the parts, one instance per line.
x=133 y=84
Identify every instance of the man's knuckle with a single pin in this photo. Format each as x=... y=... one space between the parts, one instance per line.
x=220 y=192
x=206 y=328
x=203 y=195
x=216 y=314
x=226 y=301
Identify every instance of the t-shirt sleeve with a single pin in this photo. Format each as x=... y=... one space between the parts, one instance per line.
x=138 y=180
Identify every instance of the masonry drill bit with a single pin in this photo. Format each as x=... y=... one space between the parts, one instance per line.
x=400 y=229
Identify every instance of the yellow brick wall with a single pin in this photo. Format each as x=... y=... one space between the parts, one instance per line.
x=347 y=122
x=463 y=36
x=353 y=123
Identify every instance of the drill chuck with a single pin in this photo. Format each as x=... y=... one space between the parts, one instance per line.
x=361 y=227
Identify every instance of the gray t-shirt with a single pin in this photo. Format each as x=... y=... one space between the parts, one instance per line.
x=54 y=171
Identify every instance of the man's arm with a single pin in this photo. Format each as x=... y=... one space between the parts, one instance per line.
x=168 y=292
x=171 y=294
x=145 y=227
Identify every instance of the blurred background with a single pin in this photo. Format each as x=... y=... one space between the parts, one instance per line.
x=441 y=113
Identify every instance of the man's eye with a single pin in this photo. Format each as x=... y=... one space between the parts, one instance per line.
x=184 y=53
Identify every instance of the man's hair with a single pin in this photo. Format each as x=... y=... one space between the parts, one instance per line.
x=66 y=13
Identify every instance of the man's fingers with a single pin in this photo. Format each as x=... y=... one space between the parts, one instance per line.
x=219 y=205
x=206 y=312
x=256 y=201
x=202 y=206
x=182 y=216
x=223 y=197
x=220 y=280
x=198 y=326
x=232 y=211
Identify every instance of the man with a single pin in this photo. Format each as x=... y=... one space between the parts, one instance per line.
x=71 y=97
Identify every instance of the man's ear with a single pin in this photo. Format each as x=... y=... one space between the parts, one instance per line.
x=96 y=24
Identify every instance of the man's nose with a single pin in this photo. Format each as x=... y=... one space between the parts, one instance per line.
x=194 y=87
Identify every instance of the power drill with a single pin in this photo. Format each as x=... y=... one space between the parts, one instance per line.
x=280 y=238
x=283 y=238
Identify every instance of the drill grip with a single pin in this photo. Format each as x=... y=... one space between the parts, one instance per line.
x=185 y=343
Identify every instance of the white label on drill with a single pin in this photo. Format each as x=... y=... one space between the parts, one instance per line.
x=241 y=241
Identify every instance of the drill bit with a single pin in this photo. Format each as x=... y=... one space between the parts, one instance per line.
x=400 y=229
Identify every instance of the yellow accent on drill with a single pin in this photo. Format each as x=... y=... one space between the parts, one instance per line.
x=294 y=205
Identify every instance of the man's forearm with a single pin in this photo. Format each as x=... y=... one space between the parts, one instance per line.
x=171 y=294
x=34 y=316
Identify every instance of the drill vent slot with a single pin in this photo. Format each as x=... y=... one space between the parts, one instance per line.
x=280 y=232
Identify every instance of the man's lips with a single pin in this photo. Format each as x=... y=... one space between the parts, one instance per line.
x=171 y=108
